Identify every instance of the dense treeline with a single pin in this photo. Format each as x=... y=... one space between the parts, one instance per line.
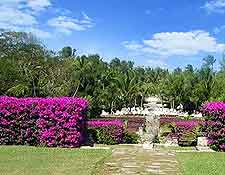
x=30 y=69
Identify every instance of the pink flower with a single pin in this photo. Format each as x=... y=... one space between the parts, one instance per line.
x=45 y=121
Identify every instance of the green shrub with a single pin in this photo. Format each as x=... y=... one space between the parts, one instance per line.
x=106 y=132
x=166 y=129
x=100 y=136
x=156 y=139
x=131 y=138
x=103 y=137
x=189 y=117
x=189 y=138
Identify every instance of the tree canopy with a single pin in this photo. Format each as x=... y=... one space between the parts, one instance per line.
x=28 y=68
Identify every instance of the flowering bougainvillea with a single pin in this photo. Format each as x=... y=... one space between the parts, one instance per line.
x=107 y=131
x=183 y=130
x=180 y=123
x=42 y=121
x=214 y=113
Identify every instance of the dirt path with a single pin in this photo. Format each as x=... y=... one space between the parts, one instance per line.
x=135 y=160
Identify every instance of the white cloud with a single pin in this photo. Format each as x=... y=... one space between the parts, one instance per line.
x=66 y=24
x=132 y=45
x=157 y=63
x=177 y=43
x=18 y=15
x=15 y=17
x=38 y=5
x=62 y=11
x=218 y=30
x=32 y=5
x=86 y=17
x=23 y=15
x=38 y=32
x=217 y=6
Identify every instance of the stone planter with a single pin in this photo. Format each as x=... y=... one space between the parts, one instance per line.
x=172 y=142
x=202 y=141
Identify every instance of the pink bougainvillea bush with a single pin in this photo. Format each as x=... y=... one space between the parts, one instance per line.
x=185 y=131
x=214 y=113
x=42 y=121
x=106 y=131
x=181 y=124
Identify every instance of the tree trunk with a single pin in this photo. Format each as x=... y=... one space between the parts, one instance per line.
x=34 y=88
x=111 y=107
x=142 y=99
x=173 y=105
x=75 y=93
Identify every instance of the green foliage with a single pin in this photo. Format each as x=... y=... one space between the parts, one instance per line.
x=67 y=52
x=189 y=117
x=156 y=139
x=28 y=68
x=188 y=139
x=166 y=129
x=19 y=90
x=101 y=136
x=131 y=138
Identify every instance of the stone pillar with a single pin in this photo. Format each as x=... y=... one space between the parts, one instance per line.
x=151 y=130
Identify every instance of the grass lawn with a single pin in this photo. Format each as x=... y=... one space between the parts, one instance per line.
x=24 y=160
x=202 y=163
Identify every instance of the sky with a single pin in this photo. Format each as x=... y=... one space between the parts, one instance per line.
x=151 y=33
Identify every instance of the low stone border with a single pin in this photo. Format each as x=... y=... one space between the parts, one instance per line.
x=138 y=145
x=90 y=147
x=164 y=145
x=204 y=149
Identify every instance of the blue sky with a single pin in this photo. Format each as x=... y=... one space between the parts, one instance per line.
x=151 y=33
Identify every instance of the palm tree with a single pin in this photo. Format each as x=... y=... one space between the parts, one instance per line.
x=144 y=90
x=81 y=68
x=127 y=86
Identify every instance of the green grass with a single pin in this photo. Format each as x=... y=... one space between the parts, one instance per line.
x=202 y=163
x=24 y=160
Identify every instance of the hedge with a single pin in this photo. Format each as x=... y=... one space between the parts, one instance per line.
x=106 y=132
x=52 y=122
x=132 y=123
